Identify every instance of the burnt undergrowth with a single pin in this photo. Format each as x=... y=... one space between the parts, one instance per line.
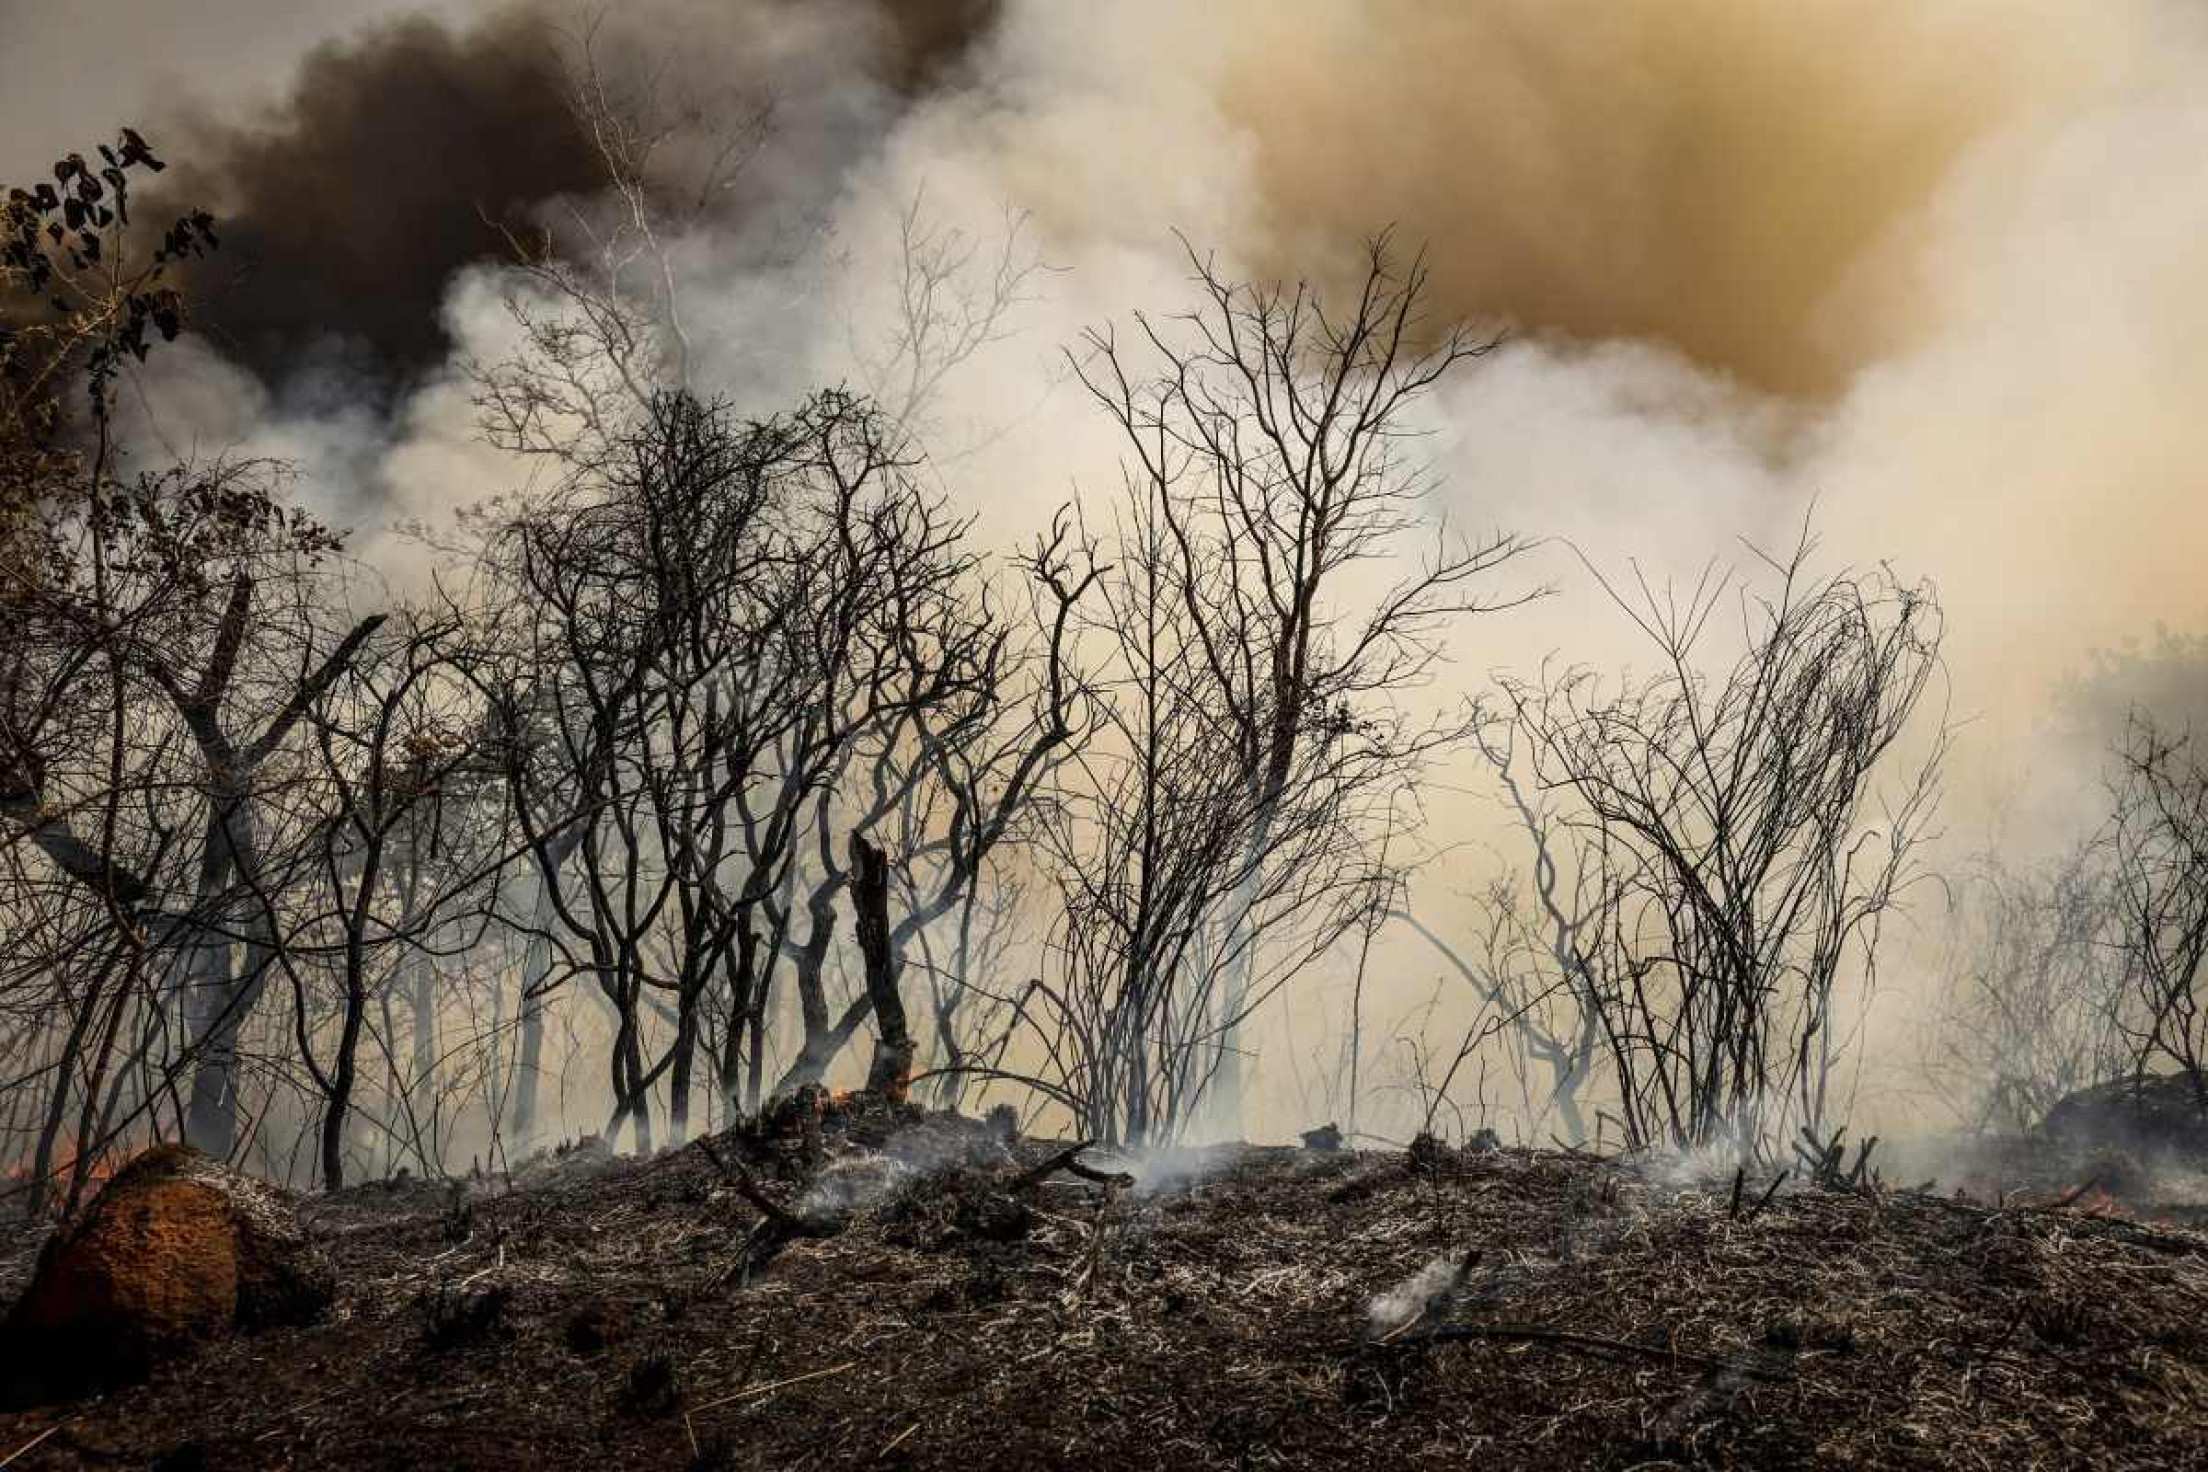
x=958 y=1298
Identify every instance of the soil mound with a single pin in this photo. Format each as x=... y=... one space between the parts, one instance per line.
x=175 y=1249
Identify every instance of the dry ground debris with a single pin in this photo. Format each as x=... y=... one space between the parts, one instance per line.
x=1244 y=1307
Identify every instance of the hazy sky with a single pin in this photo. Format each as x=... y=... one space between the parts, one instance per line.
x=1939 y=265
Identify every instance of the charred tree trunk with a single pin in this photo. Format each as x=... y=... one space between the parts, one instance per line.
x=683 y=1070
x=823 y=1038
x=210 y=986
x=728 y=1065
x=344 y=1076
x=421 y=985
x=891 y=1071
x=536 y=965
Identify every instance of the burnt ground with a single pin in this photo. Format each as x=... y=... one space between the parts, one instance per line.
x=1548 y=1310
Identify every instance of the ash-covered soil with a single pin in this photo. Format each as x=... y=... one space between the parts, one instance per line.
x=1234 y=1308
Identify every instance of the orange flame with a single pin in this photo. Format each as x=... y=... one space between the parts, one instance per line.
x=64 y=1168
x=2092 y=1200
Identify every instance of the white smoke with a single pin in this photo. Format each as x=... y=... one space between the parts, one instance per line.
x=1425 y=1292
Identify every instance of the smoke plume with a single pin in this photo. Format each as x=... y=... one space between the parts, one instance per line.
x=1937 y=269
x=394 y=161
x=1735 y=178
x=402 y=153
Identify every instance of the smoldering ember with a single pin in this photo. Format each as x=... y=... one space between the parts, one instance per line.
x=997 y=734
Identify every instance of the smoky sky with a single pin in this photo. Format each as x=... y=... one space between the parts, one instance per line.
x=1735 y=178
x=345 y=213
x=402 y=152
x=1938 y=266
x=1934 y=270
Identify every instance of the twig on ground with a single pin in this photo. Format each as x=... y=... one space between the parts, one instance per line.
x=773 y=1385
x=10 y=1458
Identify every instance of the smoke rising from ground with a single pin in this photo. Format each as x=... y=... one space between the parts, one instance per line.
x=1940 y=269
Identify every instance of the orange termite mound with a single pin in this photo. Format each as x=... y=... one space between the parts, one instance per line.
x=174 y=1250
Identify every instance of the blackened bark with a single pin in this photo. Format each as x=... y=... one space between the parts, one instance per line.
x=891 y=1071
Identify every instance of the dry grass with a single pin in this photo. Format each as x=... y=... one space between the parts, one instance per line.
x=1571 y=1313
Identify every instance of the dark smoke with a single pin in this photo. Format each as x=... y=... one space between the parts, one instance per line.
x=344 y=215
x=400 y=152
x=929 y=39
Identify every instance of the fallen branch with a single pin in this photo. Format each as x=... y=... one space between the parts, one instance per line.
x=772 y=1385
x=1067 y=1160
x=777 y=1227
x=789 y=1221
x=2070 y=1198
x=2135 y=1234
x=2116 y=1228
x=10 y=1458
x=1099 y=1177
